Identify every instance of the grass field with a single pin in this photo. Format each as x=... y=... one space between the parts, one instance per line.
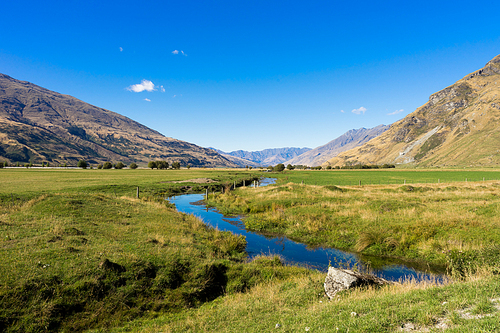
x=387 y=176
x=434 y=223
x=80 y=252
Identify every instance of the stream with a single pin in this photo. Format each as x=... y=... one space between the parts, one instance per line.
x=294 y=253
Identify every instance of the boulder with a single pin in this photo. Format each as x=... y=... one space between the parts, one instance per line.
x=339 y=279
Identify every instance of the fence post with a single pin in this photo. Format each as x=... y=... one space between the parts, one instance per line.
x=137 y=192
x=360 y=183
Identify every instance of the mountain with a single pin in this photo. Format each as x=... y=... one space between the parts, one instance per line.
x=348 y=140
x=458 y=126
x=266 y=157
x=40 y=125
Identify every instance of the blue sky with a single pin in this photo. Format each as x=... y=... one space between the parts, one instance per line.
x=253 y=74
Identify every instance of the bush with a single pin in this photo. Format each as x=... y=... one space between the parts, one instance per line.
x=176 y=165
x=152 y=165
x=107 y=165
x=119 y=165
x=99 y=166
x=82 y=164
x=133 y=166
x=279 y=167
x=290 y=167
x=162 y=164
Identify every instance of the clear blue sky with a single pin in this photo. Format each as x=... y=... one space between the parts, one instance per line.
x=253 y=74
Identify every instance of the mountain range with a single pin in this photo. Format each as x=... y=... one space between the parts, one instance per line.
x=350 y=139
x=38 y=125
x=264 y=157
x=458 y=126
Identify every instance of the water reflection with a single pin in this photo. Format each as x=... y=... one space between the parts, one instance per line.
x=296 y=253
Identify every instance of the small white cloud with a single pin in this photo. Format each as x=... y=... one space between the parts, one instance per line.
x=174 y=96
x=342 y=111
x=162 y=89
x=361 y=110
x=184 y=54
x=121 y=49
x=175 y=52
x=147 y=99
x=395 y=112
x=144 y=85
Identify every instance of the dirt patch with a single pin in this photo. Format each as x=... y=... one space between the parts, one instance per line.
x=196 y=180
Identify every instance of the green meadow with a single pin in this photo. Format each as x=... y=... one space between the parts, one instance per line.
x=80 y=252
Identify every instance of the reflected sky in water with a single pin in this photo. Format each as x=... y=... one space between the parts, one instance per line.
x=291 y=252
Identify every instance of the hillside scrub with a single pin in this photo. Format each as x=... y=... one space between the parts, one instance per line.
x=438 y=224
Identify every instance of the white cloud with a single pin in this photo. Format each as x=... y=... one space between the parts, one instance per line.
x=174 y=96
x=147 y=99
x=361 y=110
x=395 y=112
x=162 y=89
x=121 y=49
x=144 y=85
x=177 y=52
x=342 y=111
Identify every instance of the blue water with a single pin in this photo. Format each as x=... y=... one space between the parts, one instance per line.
x=291 y=252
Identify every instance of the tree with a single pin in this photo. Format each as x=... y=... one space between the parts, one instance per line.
x=132 y=166
x=119 y=165
x=152 y=165
x=99 y=166
x=290 y=167
x=107 y=165
x=82 y=164
x=279 y=167
x=162 y=164
x=176 y=165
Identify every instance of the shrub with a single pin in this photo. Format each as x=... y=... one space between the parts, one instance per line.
x=176 y=165
x=133 y=166
x=279 y=167
x=119 y=165
x=162 y=164
x=290 y=167
x=152 y=165
x=99 y=166
x=107 y=165
x=82 y=164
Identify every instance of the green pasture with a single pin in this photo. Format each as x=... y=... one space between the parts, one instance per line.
x=80 y=253
x=386 y=176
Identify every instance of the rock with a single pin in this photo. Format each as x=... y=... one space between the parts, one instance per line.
x=341 y=279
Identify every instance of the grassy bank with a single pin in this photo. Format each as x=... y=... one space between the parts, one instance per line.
x=436 y=223
x=78 y=257
x=298 y=305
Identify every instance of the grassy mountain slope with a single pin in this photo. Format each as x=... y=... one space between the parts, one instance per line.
x=457 y=127
x=38 y=125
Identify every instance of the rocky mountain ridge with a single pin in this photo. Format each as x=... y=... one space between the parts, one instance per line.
x=350 y=139
x=266 y=157
x=456 y=127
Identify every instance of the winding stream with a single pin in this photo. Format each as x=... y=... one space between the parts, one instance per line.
x=295 y=253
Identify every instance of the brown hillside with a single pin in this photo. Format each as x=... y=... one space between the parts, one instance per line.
x=40 y=125
x=457 y=127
